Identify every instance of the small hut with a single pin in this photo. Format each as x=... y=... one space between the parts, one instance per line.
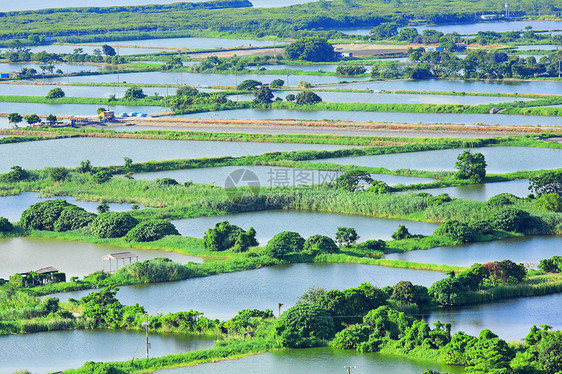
x=118 y=256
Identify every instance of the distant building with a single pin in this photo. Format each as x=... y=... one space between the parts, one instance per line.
x=344 y=54
x=436 y=49
x=489 y=17
x=4 y=75
x=460 y=47
x=108 y=115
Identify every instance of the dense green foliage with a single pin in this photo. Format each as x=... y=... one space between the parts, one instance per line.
x=319 y=244
x=148 y=231
x=471 y=166
x=549 y=182
x=284 y=243
x=310 y=49
x=55 y=215
x=226 y=236
x=112 y=225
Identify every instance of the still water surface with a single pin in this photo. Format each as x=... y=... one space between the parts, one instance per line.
x=322 y=360
x=222 y=296
x=482 y=192
x=528 y=250
x=268 y=176
x=47 y=352
x=69 y=152
x=499 y=159
x=12 y=206
x=269 y=223
x=19 y=255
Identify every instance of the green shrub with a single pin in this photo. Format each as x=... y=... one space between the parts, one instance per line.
x=379 y=187
x=284 y=243
x=439 y=199
x=16 y=175
x=550 y=201
x=148 y=231
x=304 y=325
x=510 y=219
x=319 y=244
x=352 y=336
x=5 y=225
x=156 y=270
x=225 y=236
x=481 y=226
x=455 y=230
x=372 y=245
x=112 y=225
x=102 y=176
x=401 y=233
x=162 y=182
x=551 y=265
x=58 y=174
x=346 y=236
x=73 y=218
x=502 y=200
x=43 y=215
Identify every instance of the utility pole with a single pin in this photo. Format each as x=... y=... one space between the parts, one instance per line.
x=348 y=368
x=279 y=305
x=145 y=324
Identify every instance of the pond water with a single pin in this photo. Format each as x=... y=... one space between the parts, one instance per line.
x=47 y=352
x=473 y=28
x=547 y=47
x=201 y=79
x=222 y=296
x=457 y=85
x=520 y=158
x=66 y=68
x=323 y=360
x=269 y=223
x=19 y=255
x=12 y=206
x=69 y=48
x=69 y=152
x=520 y=250
x=76 y=91
x=72 y=109
x=482 y=192
x=40 y=4
x=393 y=117
x=510 y=319
x=365 y=97
x=268 y=176
x=191 y=43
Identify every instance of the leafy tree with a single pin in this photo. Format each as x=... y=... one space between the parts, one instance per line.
x=55 y=93
x=319 y=244
x=372 y=245
x=346 y=236
x=112 y=225
x=85 y=166
x=455 y=230
x=108 y=50
x=73 y=218
x=16 y=174
x=58 y=174
x=290 y=97
x=103 y=208
x=276 y=83
x=14 y=118
x=311 y=296
x=549 y=182
x=551 y=265
x=187 y=91
x=550 y=352
x=52 y=119
x=5 y=225
x=502 y=199
x=163 y=182
x=43 y=215
x=379 y=187
x=352 y=336
x=100 y=110
x=510 y=219
x=225 y=236
x=550 y=201
x=310 y=49
x=490 y=353
x=32 y=119
x=248 y=85
x=471 y=166
x=148 y=231
x=407 y=293
x=350 y=70
x=263 y=96
x=102 y=176
x=303 y=326
x=384 y=31
x=134 y=93
x=307 y=98
x=448 y=292
x=128 y=162
x=352 y=180
x=284 y=243
x=401 y=233
x=304 y=84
